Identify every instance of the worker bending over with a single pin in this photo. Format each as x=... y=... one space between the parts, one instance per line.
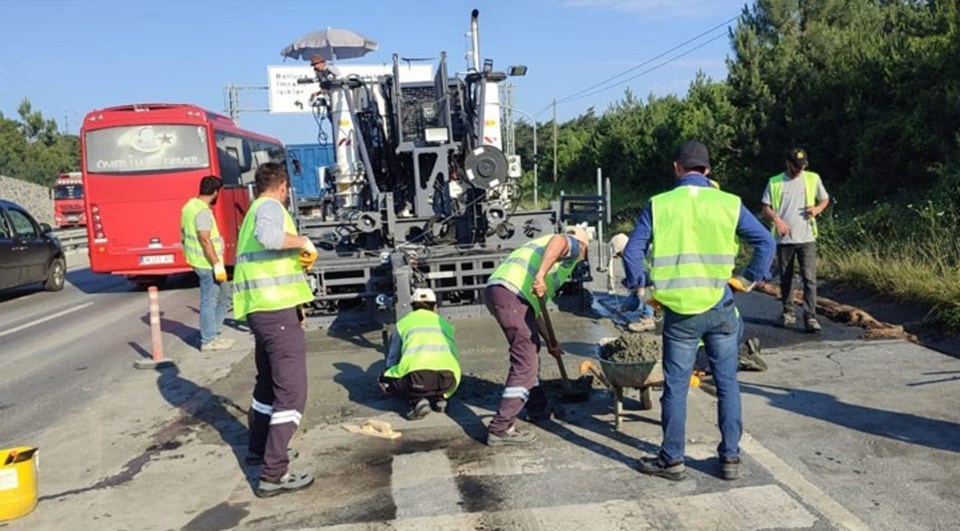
x=537 y=269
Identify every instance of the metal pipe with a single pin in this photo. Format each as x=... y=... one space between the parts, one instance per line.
x=536 y=162
x=475 y=37
x=602 y=265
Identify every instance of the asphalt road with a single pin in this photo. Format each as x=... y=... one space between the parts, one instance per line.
x=840 y=433
x=60 y=350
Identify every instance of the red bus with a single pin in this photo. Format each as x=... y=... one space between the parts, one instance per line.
x=68 y=200
x=142 y=162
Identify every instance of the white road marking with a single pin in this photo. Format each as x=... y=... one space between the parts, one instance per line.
x=837 y=514
x=422 y=484
x=757 y=507
x=45 y=319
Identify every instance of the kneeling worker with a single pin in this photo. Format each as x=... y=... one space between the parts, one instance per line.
x=423 y=366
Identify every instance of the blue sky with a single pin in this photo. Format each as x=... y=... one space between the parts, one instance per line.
x=72 y=56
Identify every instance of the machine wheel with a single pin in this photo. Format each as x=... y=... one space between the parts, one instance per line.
x=56 y=274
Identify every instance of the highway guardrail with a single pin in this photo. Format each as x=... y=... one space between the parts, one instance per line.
x=72 y=238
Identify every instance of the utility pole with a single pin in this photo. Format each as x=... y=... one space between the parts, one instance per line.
x=554 y=139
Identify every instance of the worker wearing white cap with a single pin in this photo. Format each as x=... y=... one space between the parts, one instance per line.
x=633 y=302
x=537 y=269
x=422 y=362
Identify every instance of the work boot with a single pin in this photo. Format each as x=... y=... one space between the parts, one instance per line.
x=289 y=482
x=439 y=405
x=419 y=409
x=645 y=324
x=812 y=325
x=218 y=343
x=253 y=459
x=788 y=319
x=657 y=466
x=511 y=437
x=749 y=359
x=730 y=468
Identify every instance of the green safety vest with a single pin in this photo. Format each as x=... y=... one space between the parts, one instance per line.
x=520 y=268
x=192 y=249
x=266 y=279
x=694 y=247
x=810 y=181
x=428 y=344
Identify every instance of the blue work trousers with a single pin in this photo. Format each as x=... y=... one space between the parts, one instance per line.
x=214 y=301
x=720 y=328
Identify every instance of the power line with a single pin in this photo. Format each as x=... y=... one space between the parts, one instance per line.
x=645 y=72
x=648 y=61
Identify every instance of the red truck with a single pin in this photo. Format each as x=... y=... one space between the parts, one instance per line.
x=68 y=208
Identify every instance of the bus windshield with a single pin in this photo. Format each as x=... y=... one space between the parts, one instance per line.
x=68 y=191
x=147 y=148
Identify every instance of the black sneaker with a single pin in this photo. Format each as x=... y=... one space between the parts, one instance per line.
x=289 y=482
x=419 y=409
x=788 y=319
x=253 y=459
x=511 y=437
x=439 y=405
x=657 y=466
x=730 y=468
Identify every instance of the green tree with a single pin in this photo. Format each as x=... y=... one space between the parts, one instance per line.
x=32 y=149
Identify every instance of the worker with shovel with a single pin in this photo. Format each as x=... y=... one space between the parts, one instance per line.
x=422 y=362
x=513 y=295
x=692 y=231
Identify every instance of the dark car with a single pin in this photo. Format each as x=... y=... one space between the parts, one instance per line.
x=28 y=251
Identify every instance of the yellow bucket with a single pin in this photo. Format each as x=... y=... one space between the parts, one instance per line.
x=18 y=482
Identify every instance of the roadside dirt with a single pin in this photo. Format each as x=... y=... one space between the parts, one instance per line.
x=631 y=348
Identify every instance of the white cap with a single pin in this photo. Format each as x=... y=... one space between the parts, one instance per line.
x=424 y=295
x=618 y=243
x=579 y=233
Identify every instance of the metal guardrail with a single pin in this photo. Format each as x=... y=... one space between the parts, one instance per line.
x=72 y=239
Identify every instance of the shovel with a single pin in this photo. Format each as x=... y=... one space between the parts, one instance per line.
x=554 y=344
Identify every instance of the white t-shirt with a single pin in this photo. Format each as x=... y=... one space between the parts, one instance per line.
x=793 y=209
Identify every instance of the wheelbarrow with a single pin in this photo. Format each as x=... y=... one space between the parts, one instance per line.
x=617 y=376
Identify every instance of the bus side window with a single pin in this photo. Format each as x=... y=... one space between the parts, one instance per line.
x=248 y=166
x=229 y=167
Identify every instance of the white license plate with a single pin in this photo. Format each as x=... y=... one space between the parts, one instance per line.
x=73 y=218
x=156 y=259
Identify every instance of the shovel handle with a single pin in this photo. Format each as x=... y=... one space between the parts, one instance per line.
x=551 y=336
x=552 y=340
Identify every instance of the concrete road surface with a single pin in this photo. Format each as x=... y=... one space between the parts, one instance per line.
x=840 y=434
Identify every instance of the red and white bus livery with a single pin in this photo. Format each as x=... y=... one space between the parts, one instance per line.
x=142 y=162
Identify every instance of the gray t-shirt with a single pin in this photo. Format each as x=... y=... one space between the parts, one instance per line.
x=793 y=209
x=204 y=220
x=268 y=225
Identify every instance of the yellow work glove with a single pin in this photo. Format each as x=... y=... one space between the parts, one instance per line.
x=219 y=272
x=308 y=255
x=741 y=284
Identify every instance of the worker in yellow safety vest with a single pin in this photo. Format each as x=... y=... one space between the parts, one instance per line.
x=203 y=250
x=537 y=269
x=423 y=366
x=269 y=289
x=692 y=234
x=793 y=200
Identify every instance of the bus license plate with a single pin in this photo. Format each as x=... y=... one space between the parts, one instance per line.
x=156 y=259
